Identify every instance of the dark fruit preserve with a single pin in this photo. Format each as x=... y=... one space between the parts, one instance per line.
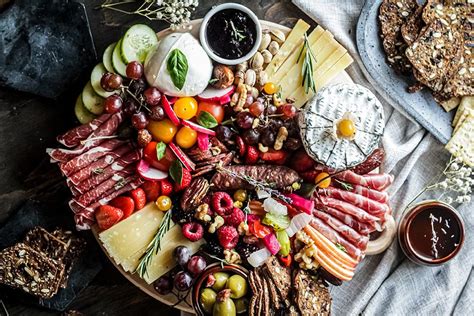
x=231 y=34
x=431 y=233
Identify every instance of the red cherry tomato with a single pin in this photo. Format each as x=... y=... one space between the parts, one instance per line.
x=214 y=108
x=163 y=164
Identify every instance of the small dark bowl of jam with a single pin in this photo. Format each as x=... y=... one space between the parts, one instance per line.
x=230 y=33
x=431 y=233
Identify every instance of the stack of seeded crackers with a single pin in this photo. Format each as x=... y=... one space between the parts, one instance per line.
x=40 y=265
x=278 y=290
x=433 y=42
x=461 y=144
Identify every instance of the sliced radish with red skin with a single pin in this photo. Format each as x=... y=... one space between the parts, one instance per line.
x=172 y=100
x=219 y=95
x=188 y=164
x=198 y=128
x=169 y=111
x=203 y=141
x=147 y=172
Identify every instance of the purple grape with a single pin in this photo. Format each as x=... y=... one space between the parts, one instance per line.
x=182 y=255
x=163 y=285
x=182 y=281
x=223 y=133
x=244 y=120
x=251 y=137
x=196 y=265
x=157 y=113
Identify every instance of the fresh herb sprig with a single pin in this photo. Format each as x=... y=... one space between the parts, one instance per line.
x=155 y=245
x=238 y=34
x=308 y=66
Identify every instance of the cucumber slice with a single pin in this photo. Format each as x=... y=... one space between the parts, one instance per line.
x=81 y=112
x=96 y=76
x=92 y=102
x=137 y=42
x=107 y=57
x=119 y=66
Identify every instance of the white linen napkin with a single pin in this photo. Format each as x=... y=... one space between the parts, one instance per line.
x=389 y=284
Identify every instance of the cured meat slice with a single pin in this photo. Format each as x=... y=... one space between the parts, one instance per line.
x=379 y=196
x=377 y=182
x=362 y=228
x=123 y=164
x=358 y=240
x=372 y=207
x=352 y=210
x=98 y=165
x=79 y=162
x=73 y=137
x=336 y=238
x=98 y=136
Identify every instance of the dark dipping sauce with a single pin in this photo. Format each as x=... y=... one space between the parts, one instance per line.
x=231 y=34
x=431 y=233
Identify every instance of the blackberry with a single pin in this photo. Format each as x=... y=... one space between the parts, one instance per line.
x=182 y=217
x=213 y=248
x=244 y=249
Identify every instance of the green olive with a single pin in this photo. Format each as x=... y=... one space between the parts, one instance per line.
x=237 y=285
x=241 y=305
x=224 y=308
x=207 y=299
x=221 y=280
x=240 y=195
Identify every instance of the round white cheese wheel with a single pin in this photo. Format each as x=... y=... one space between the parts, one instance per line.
x=332 y=103
x=199 y=65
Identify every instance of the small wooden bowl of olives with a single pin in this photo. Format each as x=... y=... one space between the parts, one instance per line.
x=222 y=290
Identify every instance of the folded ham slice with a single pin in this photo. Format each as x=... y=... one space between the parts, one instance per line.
x=374 y=181
x=73 y=137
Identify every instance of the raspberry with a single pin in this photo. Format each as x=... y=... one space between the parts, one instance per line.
x=236 y=217
x=222 y=203
x=185 y=181
x=192 y=231
x=228 y=236
x=252 y=155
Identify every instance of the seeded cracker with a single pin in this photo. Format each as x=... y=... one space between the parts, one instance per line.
x=461 y=144
x=312 y=296
x=392 y=15
x=281 y=276
x=412 y=26
x=253 y=300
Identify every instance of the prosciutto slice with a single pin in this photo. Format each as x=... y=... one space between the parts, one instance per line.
x=358 y=240
x=362 y=228
x=336 y=238
x=372 y=207
x=379 y=196
x=377 y=182
x=117 y=181
x=73 y=137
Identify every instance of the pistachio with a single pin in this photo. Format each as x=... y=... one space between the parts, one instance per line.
x=224 y=77
x=250 y=77
x=253 y=92
x=277 y=36
x=267 y=56
x=242 y=66
x=262 y=78
x=274 y=48
x=257 y=61
x=277 y=100
x=239 y=77
x=266 y=39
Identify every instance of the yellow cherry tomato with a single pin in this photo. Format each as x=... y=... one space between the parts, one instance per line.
x=185 y=108
x=270 y=88
x=323 y=180
x=346 y=128
x=186 y=137
x=163 y=203
x=163 y=130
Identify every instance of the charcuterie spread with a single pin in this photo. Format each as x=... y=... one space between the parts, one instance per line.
x=262 y=165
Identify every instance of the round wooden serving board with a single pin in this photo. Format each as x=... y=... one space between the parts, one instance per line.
x=170 y=299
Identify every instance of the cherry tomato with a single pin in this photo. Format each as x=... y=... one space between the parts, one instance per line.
x=150 y=156
x=323 y=180
x=163 y=203
x=260 y=230
x=186 y=137
x=185 y=108
x=163 y=130
x=270 y=88
x=213 y=108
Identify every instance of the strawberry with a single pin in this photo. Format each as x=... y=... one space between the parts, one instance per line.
x=107 y=216
x=241 y=146
x=139 y=197
x=152 y=190
x=185 y=181
x=166 y=187
x=125 y=203
x=309 y=176
x=252 y=155
x=276 y=156
x=301 y=161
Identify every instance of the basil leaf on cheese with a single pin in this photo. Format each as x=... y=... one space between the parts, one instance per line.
x=177 y=66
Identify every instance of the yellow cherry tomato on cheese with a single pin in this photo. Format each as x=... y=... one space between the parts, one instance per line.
x=186 y=137
x=185 y=108
x=163 y=130
x=163 y=203
x=323 y=180
x=346 y=128
x=270 y=88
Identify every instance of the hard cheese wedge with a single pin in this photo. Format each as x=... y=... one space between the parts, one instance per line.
x=294 y=39
x=450 y=104
x=461 y=144
x=314 y=39
x=466 y=103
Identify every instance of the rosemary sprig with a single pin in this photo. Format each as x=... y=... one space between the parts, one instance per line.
x=345 y=186
x=155 y=245
x=308 y=66
x=236 y=32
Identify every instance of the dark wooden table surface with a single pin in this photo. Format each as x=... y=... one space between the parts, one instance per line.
x=29 y=124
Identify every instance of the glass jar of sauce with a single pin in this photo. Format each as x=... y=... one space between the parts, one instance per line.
x=431 y=233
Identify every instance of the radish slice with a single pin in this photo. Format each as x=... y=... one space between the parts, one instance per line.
x=203 y=141
x=259 y=257
x=172 y=100
x=188 y=163
x=301 y=203
x=169 y=111
x=220 y=95
x=271 y=242
x=149 y=173
x=198 y=128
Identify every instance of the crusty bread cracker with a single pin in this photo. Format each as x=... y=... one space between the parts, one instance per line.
x=466 y=103
x=461 y=144
x=450 y=104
